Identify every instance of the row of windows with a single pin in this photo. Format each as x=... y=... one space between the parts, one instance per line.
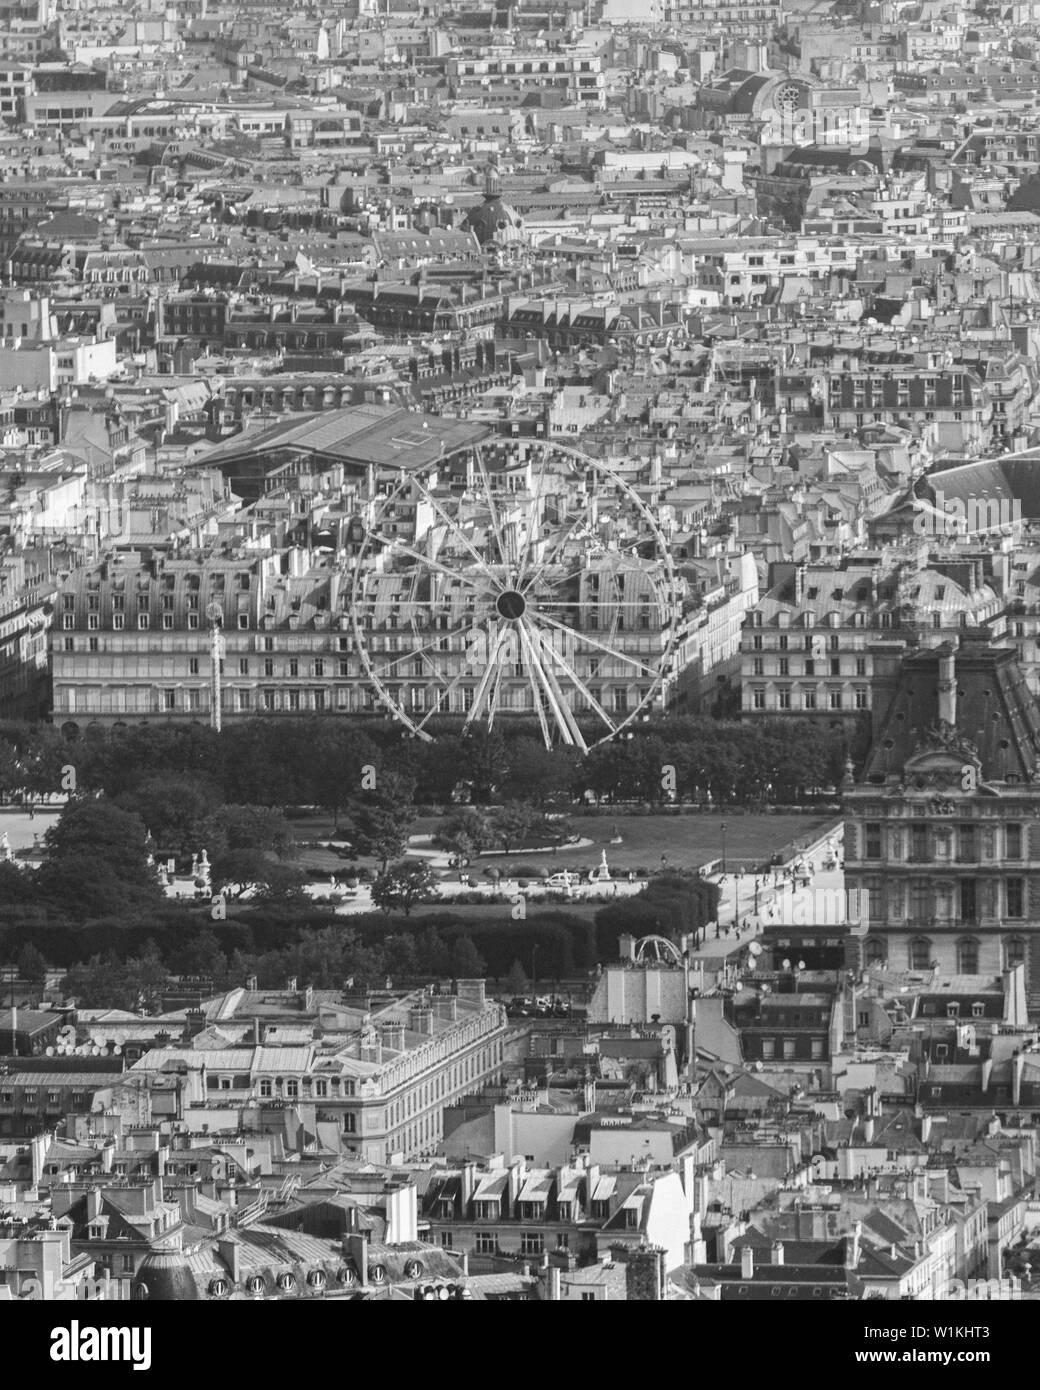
x=833 y=666
x=929 y=843
x=788 y=1048
x=921 y=955
x=144 y=622
x=809 y=698
x=289 y=1087
x=925 y=899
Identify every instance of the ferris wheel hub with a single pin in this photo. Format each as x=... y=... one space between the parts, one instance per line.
x=511 y=604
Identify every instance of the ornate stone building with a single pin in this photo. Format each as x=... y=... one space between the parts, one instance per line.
x=942 y=831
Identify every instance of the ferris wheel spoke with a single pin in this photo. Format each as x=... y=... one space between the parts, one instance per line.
x=443 y=699
x=496 y=523
x=537 y=680
x=493 y=697
x=453 y=526
x=456 y=576
x=557 y=546
x=416 y=652
x=577 y=682
x=592 y=642
x=533 y=523
x=557 y=700
x=480 y=695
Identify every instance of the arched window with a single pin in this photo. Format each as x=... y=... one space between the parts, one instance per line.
x=875 y=952
x=1014 y=952
x=920 y=953
x=968 y=956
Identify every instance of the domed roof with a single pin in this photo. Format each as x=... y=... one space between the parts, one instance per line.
x=165 y=1276
x=494 y=220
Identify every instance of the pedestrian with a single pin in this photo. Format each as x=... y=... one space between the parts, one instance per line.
x=716 y=931
x=32 y=810
x=615 y=890
x=631 y=876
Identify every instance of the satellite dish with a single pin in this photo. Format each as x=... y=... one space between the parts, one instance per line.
x=51 y=1052
x=754 y=948
x=95 y=1052
x=117 y=1051
x=786 y=964
x=801 y=965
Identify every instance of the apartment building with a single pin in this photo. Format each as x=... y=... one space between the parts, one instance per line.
x=378 y=1077
x=578 y=76
x=822 y=632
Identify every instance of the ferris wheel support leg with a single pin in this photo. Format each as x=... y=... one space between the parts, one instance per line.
x=557 y=700
x=485 y=682
x=582 y=689
x=538 y=683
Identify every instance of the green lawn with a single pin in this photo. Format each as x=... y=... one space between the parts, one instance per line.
x=688 y=841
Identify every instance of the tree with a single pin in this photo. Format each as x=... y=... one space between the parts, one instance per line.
x=31 y=967
x=465 y=833
x=332 y=758
x=96 y=860
x=536 y=773
x=175 y=808
x=512 y=822
x=403 y=885
x=516 y=980
x=381 y=819
x=240 y=871
x=260 y=828
x=17 y=885
x=433 y=959
x=466 y=960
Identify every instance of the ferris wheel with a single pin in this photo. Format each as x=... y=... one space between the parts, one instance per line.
x=518 y=579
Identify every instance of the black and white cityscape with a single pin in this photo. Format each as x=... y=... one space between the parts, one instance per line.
x=520 y=652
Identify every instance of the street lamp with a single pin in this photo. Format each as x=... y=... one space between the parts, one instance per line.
x=722 y=827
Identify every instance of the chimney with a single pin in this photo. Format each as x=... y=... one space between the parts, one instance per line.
x=799 y=584
x=777 y=1255
x=948 y=688
x=256 y=1032
x=471 y=992
x=231 y=1253
x=420 y=1020
x=747 y=1262
x=926 y=1128
x=869 y=1127
x=469 y=1185
x=645 y=1275
x=355 y=1247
